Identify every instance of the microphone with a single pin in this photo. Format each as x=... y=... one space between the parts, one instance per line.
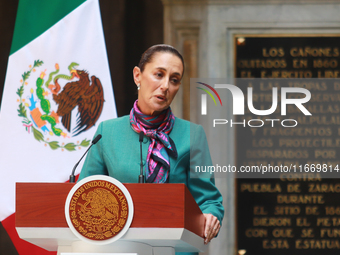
x=94 y=141
x=141 y=176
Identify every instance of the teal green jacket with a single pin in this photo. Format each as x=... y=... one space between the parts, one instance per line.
x=117 y=154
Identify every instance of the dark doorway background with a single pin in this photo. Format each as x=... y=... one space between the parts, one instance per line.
x=130 y=27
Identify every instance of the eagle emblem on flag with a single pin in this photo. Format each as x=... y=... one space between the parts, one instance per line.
x=47 y=109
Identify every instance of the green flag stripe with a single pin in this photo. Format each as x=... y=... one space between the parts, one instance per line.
x=34 y=17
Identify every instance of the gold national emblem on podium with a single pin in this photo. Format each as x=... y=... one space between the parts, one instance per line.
x=98 y=210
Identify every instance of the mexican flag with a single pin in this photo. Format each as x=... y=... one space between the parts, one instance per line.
x=57 y=90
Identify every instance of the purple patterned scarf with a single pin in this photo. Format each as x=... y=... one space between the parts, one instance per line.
x=161 y=145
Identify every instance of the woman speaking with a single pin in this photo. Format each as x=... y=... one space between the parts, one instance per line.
x=172 y=146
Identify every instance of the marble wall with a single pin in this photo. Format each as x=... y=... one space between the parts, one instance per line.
x=203 y=30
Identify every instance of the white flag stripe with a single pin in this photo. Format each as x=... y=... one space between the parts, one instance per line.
x=78 y=37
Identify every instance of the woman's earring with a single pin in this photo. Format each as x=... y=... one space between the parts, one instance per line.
x=138 y=86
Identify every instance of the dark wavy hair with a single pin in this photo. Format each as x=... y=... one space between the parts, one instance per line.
x=149 y=53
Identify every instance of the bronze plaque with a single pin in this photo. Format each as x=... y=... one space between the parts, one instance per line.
x=298 y=212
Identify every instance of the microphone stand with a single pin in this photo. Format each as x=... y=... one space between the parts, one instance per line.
x=94 y=141
x=141 y=175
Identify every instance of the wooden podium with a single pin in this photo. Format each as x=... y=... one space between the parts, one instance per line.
x=165 y=215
